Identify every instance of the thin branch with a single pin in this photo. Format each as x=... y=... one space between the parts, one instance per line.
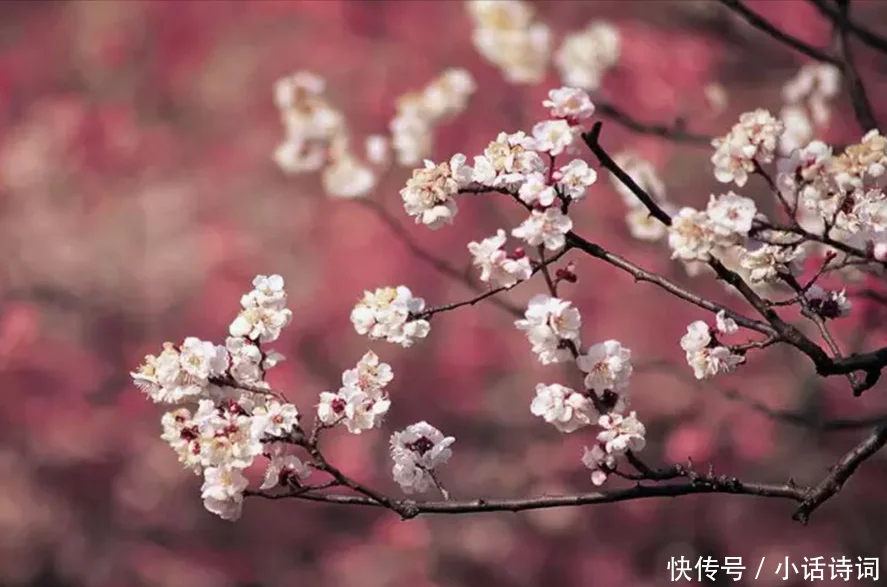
x=541 y=266
x=841 y=472
x=439 y=264
x=674 y=132
x=640 y=274
x=865 y=35
x=755 y=20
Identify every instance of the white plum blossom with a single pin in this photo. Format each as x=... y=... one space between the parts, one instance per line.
x=358 y=410
x=698 y=337
x=222 y=492
x=585 y=56
x=550 y=323
x=347 y=177
x=705 y=359
x=545 y=228
x=725 y=324
x=562 y=407
x=575 y=178
x=282 y=469
x=607 y=366
x=753 y=139
x=428 y=195
x=711 y=361
x=388 y=313
x=537 y=190
x=264 y=313
x=497 y=267
x=600 y=462
x=505 y=35
x=621 y=433
x=275 y=419
x=370 y=375
x=507 y=161
x=361 y=402
x=553 y=136
x=691 y=236
x=569 y=103
x=731 y=214
x=173 y=376
x=417 y=451
x=417 y=113
x=765 y=263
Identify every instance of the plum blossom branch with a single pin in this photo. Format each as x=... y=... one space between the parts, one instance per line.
x=755 y=20
x=700 y=484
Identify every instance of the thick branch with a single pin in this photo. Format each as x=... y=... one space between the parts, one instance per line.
x=862 y=107
x=842 y=471
x=702 y=484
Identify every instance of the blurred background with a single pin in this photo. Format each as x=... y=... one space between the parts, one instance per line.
x=139 y=198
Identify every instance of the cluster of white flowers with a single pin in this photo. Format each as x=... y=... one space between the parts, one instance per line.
x=412 y=128
x=641 y=224
x=515 y=162
x=497 y=266
x=417 y=451
x=390 y=313
x=807 y=101
x=361 y=402
x=620 y=433
x=224 y=419
x=506 y=36
x=585 y=56
x=317 y=137
x=695 y=235
x=429 y=195
x=562 y=407
x=753 y=139
x=551 y=324
x=704 y=354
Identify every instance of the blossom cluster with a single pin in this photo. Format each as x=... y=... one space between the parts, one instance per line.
x=506 y=36
x=523 y=165
x=225 y=414
x=585 y=56
x=412 y=128
x=389 y=313
x=752 y=140
x=704 y=353
x=317 y=138
x=604 y=401
x=417 y=451
x=806 y=106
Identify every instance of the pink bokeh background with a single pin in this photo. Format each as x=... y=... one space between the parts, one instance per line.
x=139 y=198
